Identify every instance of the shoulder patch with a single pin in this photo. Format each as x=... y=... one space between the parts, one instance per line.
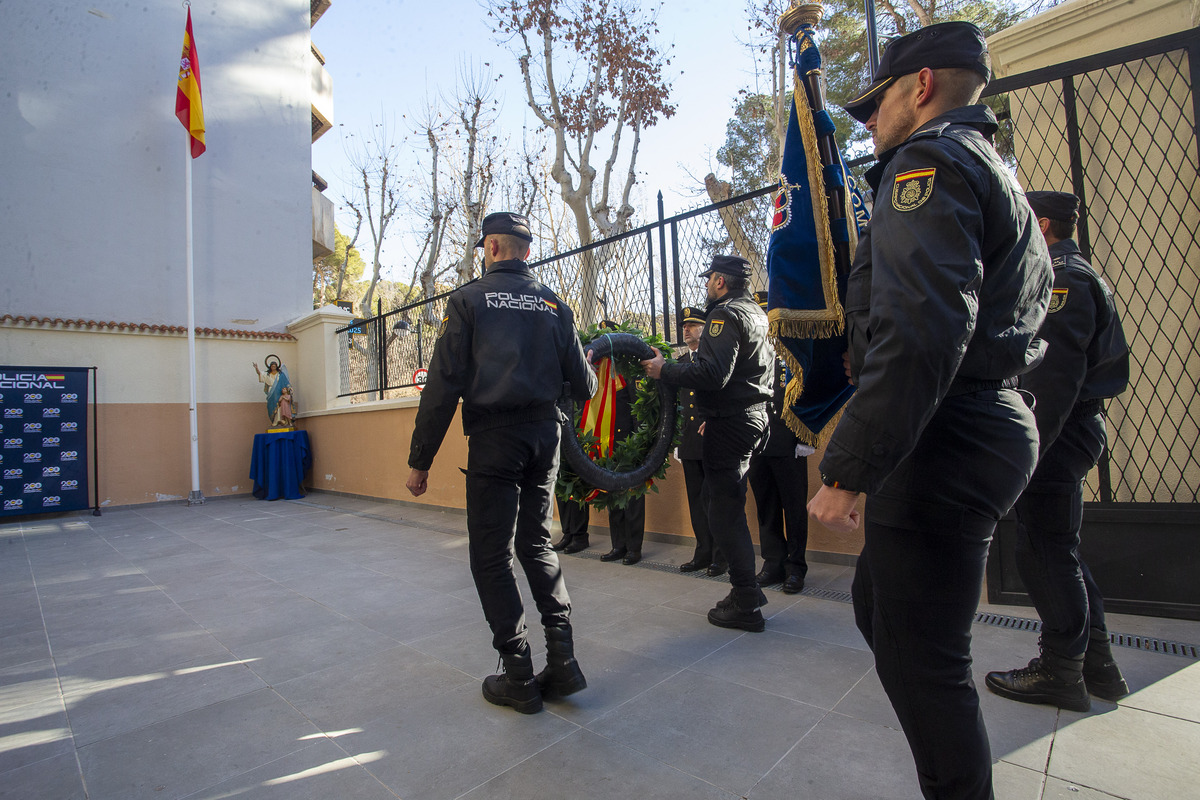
x=1058 y=299
x=911 y=189
x=442 y=327
x=715 y=326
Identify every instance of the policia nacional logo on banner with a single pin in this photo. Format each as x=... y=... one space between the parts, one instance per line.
x=43 y=426
x=912 y=189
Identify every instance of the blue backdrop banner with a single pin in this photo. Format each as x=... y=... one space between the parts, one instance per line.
x=43 y=425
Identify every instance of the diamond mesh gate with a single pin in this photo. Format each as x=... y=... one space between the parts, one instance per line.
x=1119 y=131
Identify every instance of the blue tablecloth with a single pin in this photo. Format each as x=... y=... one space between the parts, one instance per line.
x=278 y=464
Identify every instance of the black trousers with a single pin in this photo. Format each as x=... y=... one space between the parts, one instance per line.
x=693 y=478
x=780 y=486
x=919 y=577
x=574 y=519
x=627 y=526
x=510 y=483
x=1049 y=517
x=728 y=444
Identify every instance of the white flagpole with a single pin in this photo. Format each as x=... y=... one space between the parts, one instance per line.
x=196 y=497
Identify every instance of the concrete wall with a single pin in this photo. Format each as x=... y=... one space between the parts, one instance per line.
x=363 y=450
x=143 y=389
x=92 y=201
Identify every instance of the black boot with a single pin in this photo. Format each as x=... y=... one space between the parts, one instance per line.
x=1100 y=672
x=740 y=610
x=562 y=544
x=1050 y=678
x=577 y=545
x=516 y=686
x=562 y=675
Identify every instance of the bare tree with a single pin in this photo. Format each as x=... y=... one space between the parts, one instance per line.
x=476 y=109
x=349 y=248
x=613 y=77
x=377 y=193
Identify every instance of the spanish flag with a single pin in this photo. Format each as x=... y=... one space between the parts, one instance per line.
x=599 y=413
x=187 y=97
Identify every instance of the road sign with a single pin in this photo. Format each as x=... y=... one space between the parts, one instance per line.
x=419 y=378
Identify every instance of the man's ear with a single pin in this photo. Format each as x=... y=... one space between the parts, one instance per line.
x=925 y=86
x=1043 y=225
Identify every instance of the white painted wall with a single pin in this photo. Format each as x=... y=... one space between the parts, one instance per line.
x=92 y=189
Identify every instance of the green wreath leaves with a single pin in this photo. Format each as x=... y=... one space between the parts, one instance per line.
x=629 y=453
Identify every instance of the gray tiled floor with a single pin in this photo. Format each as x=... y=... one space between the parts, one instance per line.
x=333 y=648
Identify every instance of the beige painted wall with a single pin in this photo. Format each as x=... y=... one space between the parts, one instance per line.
x=364 y=451
x=143 y=393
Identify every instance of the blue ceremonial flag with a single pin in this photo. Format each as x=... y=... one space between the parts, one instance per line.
x=808 y=257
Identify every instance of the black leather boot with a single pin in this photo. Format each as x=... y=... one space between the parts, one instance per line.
x=515 y=687
x=1100 y=672
x=562 y=675
x=577 y=545
x=562 y=544
x=1050 y=678
x=740 y=610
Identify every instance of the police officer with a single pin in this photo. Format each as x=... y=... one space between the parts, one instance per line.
x=627 y=525
x=707 y=556
x=732 y=379
x=574 y=519
x=779 y=480
x=1087 y=361
x=506 y=347
x=949 y=285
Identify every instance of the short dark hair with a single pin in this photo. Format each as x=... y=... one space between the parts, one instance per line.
x=1061 y=228
x=962 y=85
x=735 y=284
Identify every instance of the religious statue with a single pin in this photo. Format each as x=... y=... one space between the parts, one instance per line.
x=275 y=383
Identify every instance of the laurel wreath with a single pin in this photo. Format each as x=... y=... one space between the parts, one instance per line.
x=628 y=454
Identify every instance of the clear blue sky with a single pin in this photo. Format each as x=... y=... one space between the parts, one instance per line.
x=386 y=57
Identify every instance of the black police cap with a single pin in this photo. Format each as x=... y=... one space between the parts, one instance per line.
x=608 y=325
x=505 y=222
x=693 y=314
x=1054 y=205
x=761 y=298
x=942 y=46
x=733 y=266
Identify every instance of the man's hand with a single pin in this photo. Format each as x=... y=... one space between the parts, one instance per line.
x=653 y=366
x=418 y=482
x=834 y=508
x=846 y=366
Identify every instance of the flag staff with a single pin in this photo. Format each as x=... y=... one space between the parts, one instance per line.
x=872 y=38
x=195 y=497
x=189 y=110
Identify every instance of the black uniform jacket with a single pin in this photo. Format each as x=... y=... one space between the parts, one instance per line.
x=1087 y=358
x=732 y=367
x=949 y=286
x=691 y=442
x=782 y=443
x=506 y=346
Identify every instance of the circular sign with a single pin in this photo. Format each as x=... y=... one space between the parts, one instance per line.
x=419 y=378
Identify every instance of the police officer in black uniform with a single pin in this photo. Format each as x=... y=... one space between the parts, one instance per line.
x=779 y=481
x=707 y=555
x=1087 y=361
x=507 y=346
x=949 y=284
x=626 y=526
x=574 y=519
x=732 y=379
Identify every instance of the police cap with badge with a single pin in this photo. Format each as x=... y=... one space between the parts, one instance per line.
x=505 y=222
x=733 y=266
x=943 y=46
x=693 y=314
x=1054 y=205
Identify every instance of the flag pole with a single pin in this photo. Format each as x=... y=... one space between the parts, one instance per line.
x=196 y=497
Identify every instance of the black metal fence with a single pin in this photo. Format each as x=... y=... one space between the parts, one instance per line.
x=642 y=277
x=1118 y=129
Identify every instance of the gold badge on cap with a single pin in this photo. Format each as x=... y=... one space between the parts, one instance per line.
x=1058 y=299
x=715 y=326
x=912 y=189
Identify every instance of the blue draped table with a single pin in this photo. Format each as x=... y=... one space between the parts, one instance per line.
x=278 y=464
